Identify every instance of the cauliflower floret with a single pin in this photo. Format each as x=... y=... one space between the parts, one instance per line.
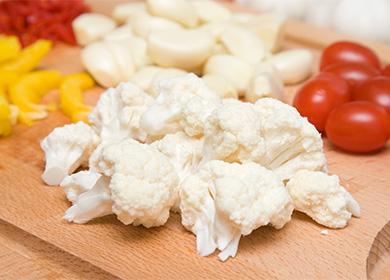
x=91 y=204
x=143 y=183
x=269 y=132
x=197 y=209
x=67 y=148
x=321 y=197
x=291 y=142
x=243 y=197
x=76 y=184
x=118 y=111
x=233 y=133
x=185 y=154
x=183 y=103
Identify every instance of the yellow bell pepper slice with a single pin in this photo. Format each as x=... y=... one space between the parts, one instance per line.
x=8 y=114
x=9 y=48
x=29 y=57
x=71 y=98
x=7 y=78
x=28 y=91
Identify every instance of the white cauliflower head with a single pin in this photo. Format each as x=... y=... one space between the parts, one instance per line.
x=183 y=103
x=76 y=184
x=233 y=133
x=243 y=198
x=143 y=181
x=67 y=148
x=321 y=197
x=184 y=153
x=269 y=132
x=118 y=111
x=291 y=142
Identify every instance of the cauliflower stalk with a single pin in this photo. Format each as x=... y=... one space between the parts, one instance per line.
x=321 y=197
x=76 y=184
x=67 y=148
x=226 y=200
x=118 y=111
x=182 y=103
x=268 y=132
x=184 y=153
x=142 y=186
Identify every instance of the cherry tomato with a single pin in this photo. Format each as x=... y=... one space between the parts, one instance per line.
x=376 y=90
x=386 y=71
x=348 y=52
x=358 y=126
x=352 y=72
x=319 y=96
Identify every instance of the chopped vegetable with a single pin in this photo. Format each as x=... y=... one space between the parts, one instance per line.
x=9 y=48
x=31 y=20
x=27 y=92
x=8 y=114
x=71 y=98
x=29 y=58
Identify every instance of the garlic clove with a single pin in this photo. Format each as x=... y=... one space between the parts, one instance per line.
x=144 y=25
x=232 y=68
x=181 y=11
x=209 y=11
x=90 y=27
x=120 y=33
x=143 y=77
x=184 y=49
x=221 y=86
x=294 y=66
x=243 y=44
x=127 y=12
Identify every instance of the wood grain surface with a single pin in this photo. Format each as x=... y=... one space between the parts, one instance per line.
x=106 y=248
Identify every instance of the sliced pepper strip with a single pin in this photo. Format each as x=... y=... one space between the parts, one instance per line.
x=9 y=48
x=7 y=78
x=8 y=114
x=28 y=91
x=71 y=97
x=29 y=58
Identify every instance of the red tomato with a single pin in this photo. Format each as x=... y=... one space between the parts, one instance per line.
x=358 y=126
x=352 y=72
x=319 y=96
x=386 y=71
x=376 y=90
x=348 y=52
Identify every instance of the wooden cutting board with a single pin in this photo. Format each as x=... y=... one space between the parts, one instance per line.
x=298 y=251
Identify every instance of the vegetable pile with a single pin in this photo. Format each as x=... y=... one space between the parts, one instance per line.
x=238 y=55
x=31 y=20
x=350 y=99
x=22 y=86
x=228 y=167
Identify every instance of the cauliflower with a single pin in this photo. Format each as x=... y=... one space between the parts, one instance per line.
x=269 y=132
x=291 y=142
x=67 y=148
x=78 y=183
x=321 y=197
x=185 y=154
x=117 y=113
x=142 y=186
x=226 y=200
x=183 y=103
x=91 y=204
x=233 y=133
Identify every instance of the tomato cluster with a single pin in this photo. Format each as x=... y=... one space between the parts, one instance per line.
x=31 y=20
x=350 y=99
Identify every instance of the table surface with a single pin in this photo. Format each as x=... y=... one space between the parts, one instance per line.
x=36 y=244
